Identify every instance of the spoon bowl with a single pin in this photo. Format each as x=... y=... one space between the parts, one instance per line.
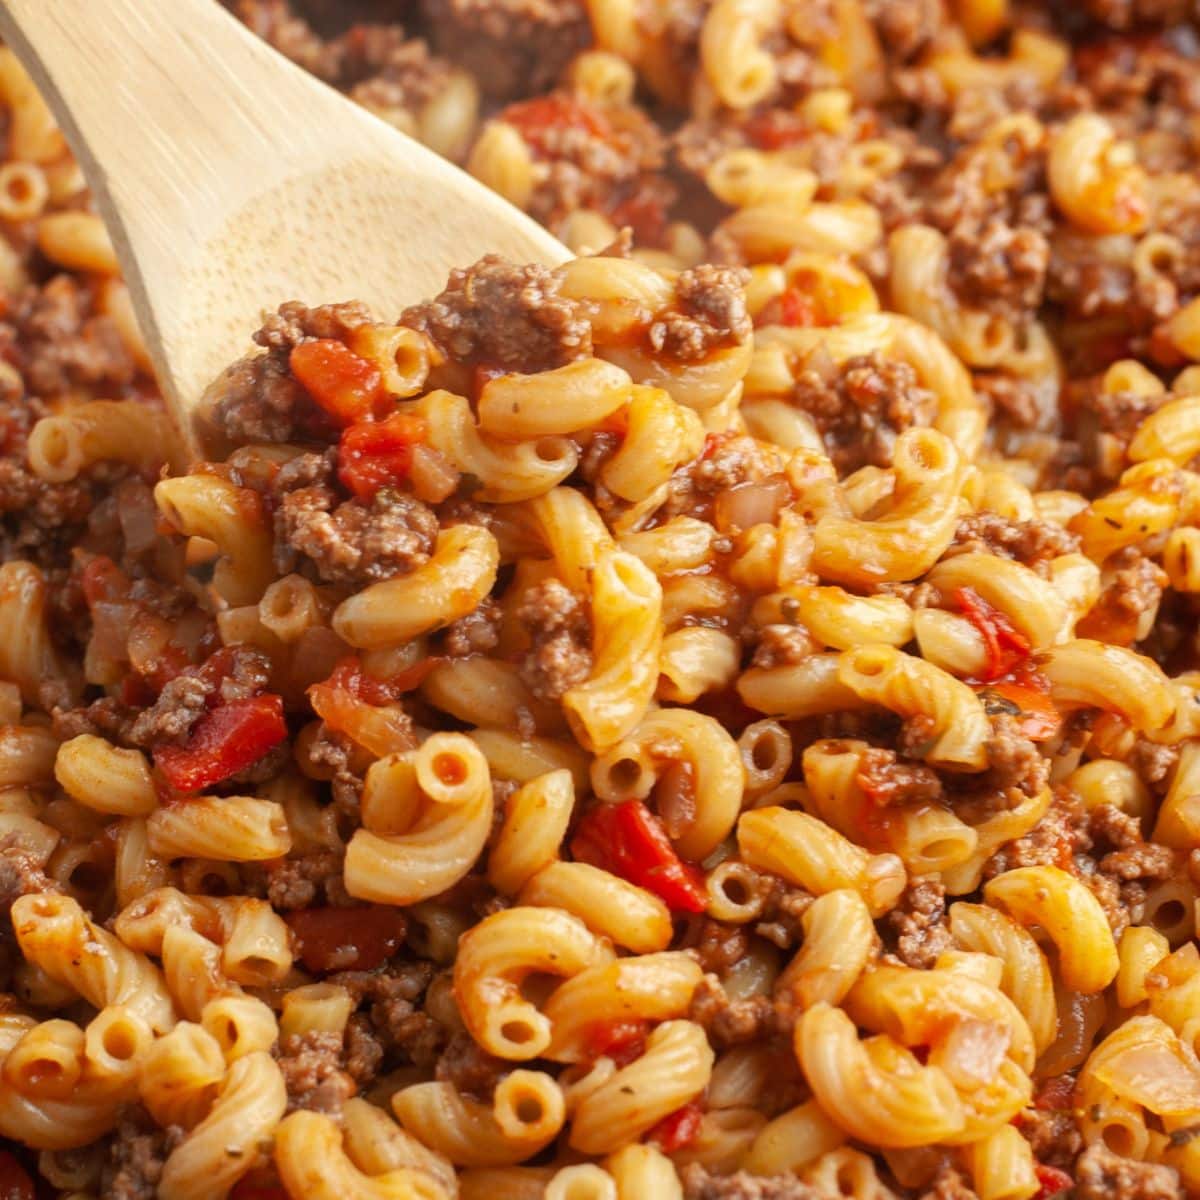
x=231 y=181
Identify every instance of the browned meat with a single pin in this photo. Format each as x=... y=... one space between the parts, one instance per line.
x=20 y=874
x=560 y=631
x=476 y=633
x=353 y=541
x=58 y=340
x=1052 y=1134
x=513 y=47
x=905 y=26
x=1013 y=760
x=471 y=1069
x=1029 y=542
x=730 y=1022
x=1135 y=589
x=783 y=646
x=860 y=406
x=999 y=268
x=712 y=314
x=700 y=1184
x=716 y=945
x=887 y=780
x=231 y=674
x=393 y=996
x=257 y=400
x=505 y=316
x=311 y=1064
x=726 y=462
x=137 y=1153
x=918 y=923
x=1125 y=14
x=307 y=880
x=1102 y=1175
x=1053 y=841
x=293 y=323
x=363 y=1051
x=949 y=1185
x=170 y=718
x=276 y=23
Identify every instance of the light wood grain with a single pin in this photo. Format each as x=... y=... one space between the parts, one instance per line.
x=231 y=180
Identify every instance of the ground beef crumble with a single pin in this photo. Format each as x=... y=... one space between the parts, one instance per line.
x=244 y=672
x=888 y=781
x=504 y=315
x=353 y=541
x=701 y=1184
x=1030 y=542
x=949 y=1184
x=136 y=1156
x=257 y=399
x=393 y=997
x=860 y=406
x=999 y=268
x=311 y=1065
x=513 y=47
x=476 y=633
x=711 y=314
x=471 y=1069
x=1129 y=600
x=730 y=1022
x=1102 y=1175
x=560 y=631
x=918 y=923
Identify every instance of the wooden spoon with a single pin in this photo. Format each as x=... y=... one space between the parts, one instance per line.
x=231 y=180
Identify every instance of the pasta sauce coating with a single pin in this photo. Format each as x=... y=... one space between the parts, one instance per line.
x=715 y=720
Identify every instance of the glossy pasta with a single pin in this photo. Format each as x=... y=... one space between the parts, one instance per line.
x=716 y=719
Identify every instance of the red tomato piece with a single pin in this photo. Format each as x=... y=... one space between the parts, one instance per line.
x=347 y=939
x=678 y=1129
x=628 y=840
x=378 y=454
x=645 y=214
x=1025 y=694
x=345 y=385
x=1052 y=1180
x=622 y=1041
x=15 y=1183
x=798 y=308
x=776 y=128
x=224 y=741
x=536 y=119
x=1006 y=646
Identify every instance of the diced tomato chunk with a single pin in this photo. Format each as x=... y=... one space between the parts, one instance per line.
x=1052 y=1180
x=645 y=213
x=345 y=385
x=1025 y=694
x=776 y=128
x=378 y=454
x=678 y=1129
x=15 y=1183
x=345 y=939
x=537 y=118
x=798 y=308
x=628 y=840
x=1005 y=645
x=622 y=1041
x=225 y=740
